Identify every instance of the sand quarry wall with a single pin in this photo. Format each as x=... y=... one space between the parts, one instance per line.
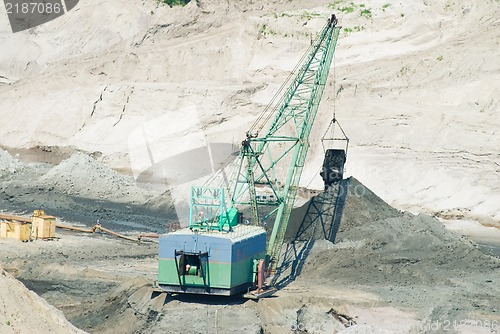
x=414 y=87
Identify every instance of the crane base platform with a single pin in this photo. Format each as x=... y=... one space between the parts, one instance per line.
x=260 y=293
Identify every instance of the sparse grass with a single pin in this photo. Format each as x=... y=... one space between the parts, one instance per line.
x=308 y=15
x=346 y=9
x=351 y=7
x=404 y=70
x=348 y=30
x=304 y=15
x=366 y=12
x=335 y=4
x=173 y=3
x=264 y=30
x=385 y=6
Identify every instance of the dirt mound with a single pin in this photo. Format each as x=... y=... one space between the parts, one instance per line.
x=410 y=250
x=83 y=176
x=8 y=164
x=375 y=237
x=356 y=205
x=363 y=206
x=82 y=189
x=23 y=311
x=412 y=261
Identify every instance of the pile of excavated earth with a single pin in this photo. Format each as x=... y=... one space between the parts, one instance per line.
x=382 y=271
x=83 y=190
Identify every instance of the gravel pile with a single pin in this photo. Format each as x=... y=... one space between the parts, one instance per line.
x=8 y=164
x=375 y=241
x=81 y=175
x=408 y=260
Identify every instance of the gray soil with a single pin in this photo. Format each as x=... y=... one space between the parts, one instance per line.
x=365 y=271
x=81 y=190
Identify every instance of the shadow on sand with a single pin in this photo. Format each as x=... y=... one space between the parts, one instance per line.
x=321 y=220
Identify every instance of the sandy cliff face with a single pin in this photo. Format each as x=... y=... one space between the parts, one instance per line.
x=23 y=311
x=414 y=86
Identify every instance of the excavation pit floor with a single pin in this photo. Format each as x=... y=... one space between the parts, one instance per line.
x=387 y=271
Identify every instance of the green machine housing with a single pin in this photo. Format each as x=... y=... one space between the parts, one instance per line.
x=210 y=262
x=214 y=255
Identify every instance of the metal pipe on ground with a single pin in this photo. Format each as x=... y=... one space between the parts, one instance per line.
x=95 y=228
x=149 y=235
x=73 y=228
x=16 y=218
x=100 y=228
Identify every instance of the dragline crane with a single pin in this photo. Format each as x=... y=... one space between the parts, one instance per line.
x=219 y=253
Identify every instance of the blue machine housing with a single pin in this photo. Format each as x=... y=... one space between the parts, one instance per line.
x=210 y=262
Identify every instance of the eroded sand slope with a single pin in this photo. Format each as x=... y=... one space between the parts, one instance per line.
x=415 y=87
